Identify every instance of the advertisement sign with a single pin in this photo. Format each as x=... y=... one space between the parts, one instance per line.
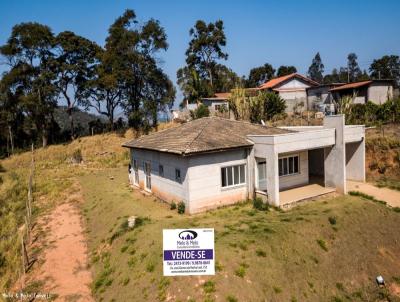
x=188 y=252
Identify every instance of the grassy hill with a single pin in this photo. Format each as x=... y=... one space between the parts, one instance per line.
x=328 y=250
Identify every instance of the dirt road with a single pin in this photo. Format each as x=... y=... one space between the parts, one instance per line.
x=65 y=269
x=391 y=197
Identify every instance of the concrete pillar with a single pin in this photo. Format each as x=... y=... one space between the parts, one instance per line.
x=335 y=156
x=250 y=174
x=355 y=161
x=272 y=176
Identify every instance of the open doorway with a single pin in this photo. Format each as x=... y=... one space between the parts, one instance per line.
x=316 y=167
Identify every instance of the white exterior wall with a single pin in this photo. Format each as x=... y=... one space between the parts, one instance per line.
x=302 y=178
x=204 y=174
x=380 y=93
x=166 y=188
x=293 y=91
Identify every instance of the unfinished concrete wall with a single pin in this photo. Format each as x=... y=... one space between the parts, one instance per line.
x=335 y=160
x=205 y=188
x=316 y=162
x=165 y=187
x=355 y=161
x=379 y=93
x=295 y=180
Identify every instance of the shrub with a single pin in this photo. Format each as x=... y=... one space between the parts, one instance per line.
x=322 y=244
x=277 y=290
x=173 y=205
x=332 y=220
x=77 y=156
x=231 y=299
x=273 y=105
x=125 y=281
x=240 y=272
x=261 y=253
x=209 y=287
x=181 y=207
x=259 y=204
x=150 y=267
x=201 y=111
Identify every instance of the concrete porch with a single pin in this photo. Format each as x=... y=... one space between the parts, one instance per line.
x=334 y=152
x=292 y=196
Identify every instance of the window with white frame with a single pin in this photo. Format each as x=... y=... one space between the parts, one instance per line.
x=233 y=176
x=289 y=165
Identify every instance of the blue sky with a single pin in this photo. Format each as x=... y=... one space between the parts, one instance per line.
x=278 y=32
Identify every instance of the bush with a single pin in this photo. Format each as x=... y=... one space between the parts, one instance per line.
x=322 y=244
x=201 y=111
x=259 y=204
x=273 y=105
x=209 y=287
x=173 y=205
x=77 y=156
x=231 y=299
x=261 y=253
x=332 y=220
x=181 y=207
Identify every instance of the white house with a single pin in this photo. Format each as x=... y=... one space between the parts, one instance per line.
x=212 y=162
x=292 y=88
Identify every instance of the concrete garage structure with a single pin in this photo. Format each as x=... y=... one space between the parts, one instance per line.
x=211 y=162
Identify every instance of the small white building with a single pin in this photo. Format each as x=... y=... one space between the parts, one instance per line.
x=211 y=162
x=292 y=88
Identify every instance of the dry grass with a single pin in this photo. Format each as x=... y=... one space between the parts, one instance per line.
x=260 y=254
x=54 y=174
x=383 y=156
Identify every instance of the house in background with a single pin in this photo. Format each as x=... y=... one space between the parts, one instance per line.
x=319 y=98
x=376 y=91
x=292 y=88
x=211 y=162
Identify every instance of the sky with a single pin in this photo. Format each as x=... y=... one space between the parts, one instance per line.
x=277 y=32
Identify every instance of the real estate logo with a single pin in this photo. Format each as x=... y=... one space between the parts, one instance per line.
x=188 y=252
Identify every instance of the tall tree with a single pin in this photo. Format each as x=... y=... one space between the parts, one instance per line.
x=73 y=65
x=225 y=78
x=316 y=69
x=206 y=48
x=29 y=54
x=285 y=70
x=127 y=69
x=192 y=86
x=354 y=71
x=260 y=75
x=387 y=67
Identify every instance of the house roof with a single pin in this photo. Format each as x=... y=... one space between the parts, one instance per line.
x=275 y=82
x=352 y=85
x=208 y=134
x=222 y=95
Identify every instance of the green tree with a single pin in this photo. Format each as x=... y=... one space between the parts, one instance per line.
x=273 y=104
x=127 y=75
x=387 y=67
x=316 y=69
x=73 y=65
x=206 y=48
x=29 y=54
x=285 y=70
x=192 y=86
x=354 y=71
x=260 y=75
x=225 y=78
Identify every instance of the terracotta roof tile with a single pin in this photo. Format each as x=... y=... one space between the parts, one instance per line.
x=352 y=85
x=274 y=82
x=209 y=134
